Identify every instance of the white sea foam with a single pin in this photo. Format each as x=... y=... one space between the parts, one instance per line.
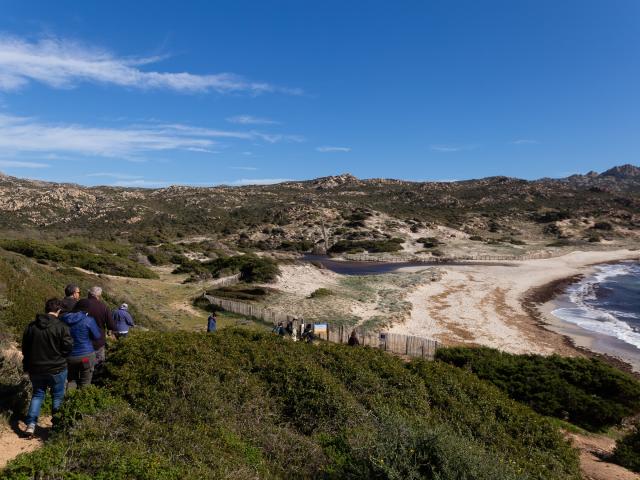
x=594 y=319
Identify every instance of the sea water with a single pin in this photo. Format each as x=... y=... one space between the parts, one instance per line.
x=606 y=303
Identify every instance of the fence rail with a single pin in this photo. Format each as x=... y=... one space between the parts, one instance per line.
x=364 y=257
x=390 y=342
x=225 y=281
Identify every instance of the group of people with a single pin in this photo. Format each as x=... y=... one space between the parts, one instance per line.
x=64 y=347
x=307 y=334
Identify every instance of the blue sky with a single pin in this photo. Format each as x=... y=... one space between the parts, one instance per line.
x=151 y=93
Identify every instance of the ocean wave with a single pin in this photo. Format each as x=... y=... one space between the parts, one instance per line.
x=588 y=314
x=600 y=322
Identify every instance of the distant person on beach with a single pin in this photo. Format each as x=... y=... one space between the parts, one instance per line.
x=46 y=343
x=353 y=339
x=85 y=333
x=279 y=329
x=97 y=309
x=71 y=297
x=122 y=321
x=212 y=323
x=308 y=335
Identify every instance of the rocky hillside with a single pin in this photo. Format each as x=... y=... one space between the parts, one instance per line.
x=300 y=214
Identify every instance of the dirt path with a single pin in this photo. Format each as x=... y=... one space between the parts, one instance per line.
x=592 y=448
x=13 y=442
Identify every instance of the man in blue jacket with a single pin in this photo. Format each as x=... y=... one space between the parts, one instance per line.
x=82 y=360
x=122 y=321
x=45 y=345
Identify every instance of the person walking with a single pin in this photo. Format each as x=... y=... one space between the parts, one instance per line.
x=96 y=308
x=212 y=323
x=353 y=339
x=72 y=295
x=82 y=360
x=122 y=321
x=46 y=343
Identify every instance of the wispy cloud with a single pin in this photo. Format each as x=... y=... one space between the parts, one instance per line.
x=251 y=120
x=452 y=148
x=61 y=63
x=141 y=183
x=524 y=141
x=329 y=149
x=118 y=176
x=259 y=181
x=244 y=168
x=21 y=164
x=21 y=134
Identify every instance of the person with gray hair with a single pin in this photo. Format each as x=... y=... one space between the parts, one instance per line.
x=97 y=309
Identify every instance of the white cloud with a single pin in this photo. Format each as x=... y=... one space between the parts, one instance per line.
x=244 y=168
x=20 y=134
x=452 y=148
x=21 y=164
x=141 y=183
x=118 y=176
x=251 y=120
x=524 y=141
x=326 y=149
x=61 y=63
x=259 y=181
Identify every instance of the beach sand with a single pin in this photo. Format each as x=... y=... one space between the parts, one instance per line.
x=485 y=304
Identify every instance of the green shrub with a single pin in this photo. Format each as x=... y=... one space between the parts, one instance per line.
x=627 y=452
x=586 y=392
x=253 y=269
x=299 y=246
x=372 y=246
x=321 y=292
x=602 y=226
x=111 y=260
x=429 y=242
x=243 y=404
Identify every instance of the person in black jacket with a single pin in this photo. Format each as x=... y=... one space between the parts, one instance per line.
x=46 y=343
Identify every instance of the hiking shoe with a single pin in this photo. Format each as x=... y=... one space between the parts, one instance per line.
x=31 y=430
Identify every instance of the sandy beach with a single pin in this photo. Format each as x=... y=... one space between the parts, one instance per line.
x=483 y=304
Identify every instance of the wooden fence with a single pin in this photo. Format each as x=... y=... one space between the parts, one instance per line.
x=225 y=281
x=391 y=342
x=387 y=258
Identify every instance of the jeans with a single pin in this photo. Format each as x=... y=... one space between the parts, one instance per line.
x=81 y=370
x=40 y=383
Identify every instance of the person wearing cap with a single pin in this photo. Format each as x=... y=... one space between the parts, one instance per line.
x=122 y=321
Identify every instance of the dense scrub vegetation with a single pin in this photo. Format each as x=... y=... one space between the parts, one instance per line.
x=242 y=404
x=586 y=392
x=251 y=268
x=371 y=246
x=98 y=257
x=627 y=452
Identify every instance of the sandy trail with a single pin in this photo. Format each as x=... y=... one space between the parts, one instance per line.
x=482 y=304
x=13 y=442
x=592 y=449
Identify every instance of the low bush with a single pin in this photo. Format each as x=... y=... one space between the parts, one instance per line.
x=112 y=261
x=293 y=246
x=627 y=452
x=606 y=226
x=253 y=269
x=429 y=242
x=371 y=246
x=240 y=292
x=243 y=404
x=321 y=292
x=586 y=392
